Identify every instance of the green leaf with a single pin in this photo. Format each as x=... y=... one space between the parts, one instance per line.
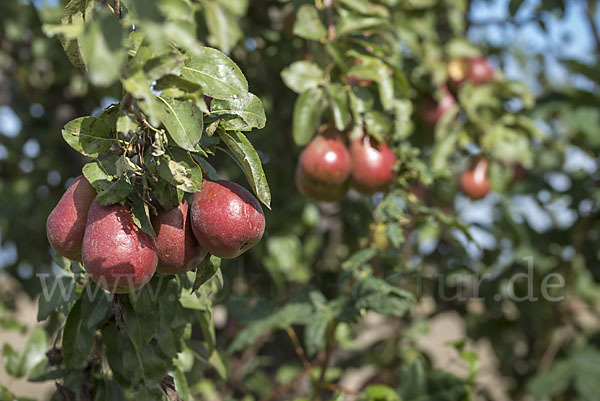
x=21 y=364
x=436 y=385
x=77 y=338
x=237 y=7
x=338 y=99
x=89 y=136
x=174 y=81
x=366 y=7
x=10 y=360
x=143 y=10
x=207 y=269
x=376 y=70
x=292 y=313
x=75 y=14
x=181 y=385
x=157 y=67
x=172 y=320
x=378 y=125
x=302 y=76
x=96 y=306
x=140 y=327
x=507 y=145
x=101 y=49
x=222 y=25
x=126 y=124
x=109 y=390
x=350 y=23
x=308 y=24
x=179 y=168
x=58 y=293
x=219 y=77
x=308 y=110
x=315 y=331
x=442 y=152
x=141 y=215
x=412 y=381
x=124 y=166
x=139 y=86
x=246 y=112
x=183 y=121
x=359 y=259
x=250 y=163
x=379 y=392
x=102 y=175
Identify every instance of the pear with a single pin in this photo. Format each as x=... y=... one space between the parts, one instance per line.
x=227 y=220
x=66 y=223
x=117 y=255
x=178 y=249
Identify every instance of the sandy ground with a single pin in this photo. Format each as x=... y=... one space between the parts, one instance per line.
x=26 y=313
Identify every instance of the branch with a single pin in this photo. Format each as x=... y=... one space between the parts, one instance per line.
x=590 y=14
x=118 y=8
x=328 y=6
x=167 y=384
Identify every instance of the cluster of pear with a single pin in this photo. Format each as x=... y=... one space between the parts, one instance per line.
x=224 y=220
x=474 y=181
x=327 y=167
x=475 y=70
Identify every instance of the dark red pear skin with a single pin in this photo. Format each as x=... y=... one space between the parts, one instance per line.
x=227 y=220
x=117 y=255
x=324 y=167
x=316 y=190
x=372 y=165
x=431 y=111
x=65 y=226
x=480 y=71
x=178 y=249
x=474 y=181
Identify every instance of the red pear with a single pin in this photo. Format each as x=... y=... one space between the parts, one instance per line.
x=372 y=165
x=117 y=255
x=227 y=220
x=431 y=112
x=324 y=167
x=480 y=71
x=474 y=181
x=66 y=223
x=320 y=192
x=178 y=249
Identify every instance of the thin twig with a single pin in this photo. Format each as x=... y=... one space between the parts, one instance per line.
x=328 y=352
x=560 y=336
x=328 y=6
x=298 y=349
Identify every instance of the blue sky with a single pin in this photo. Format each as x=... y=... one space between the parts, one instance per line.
x=567 y=38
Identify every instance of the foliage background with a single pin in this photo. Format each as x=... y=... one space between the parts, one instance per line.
x=546 y=350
